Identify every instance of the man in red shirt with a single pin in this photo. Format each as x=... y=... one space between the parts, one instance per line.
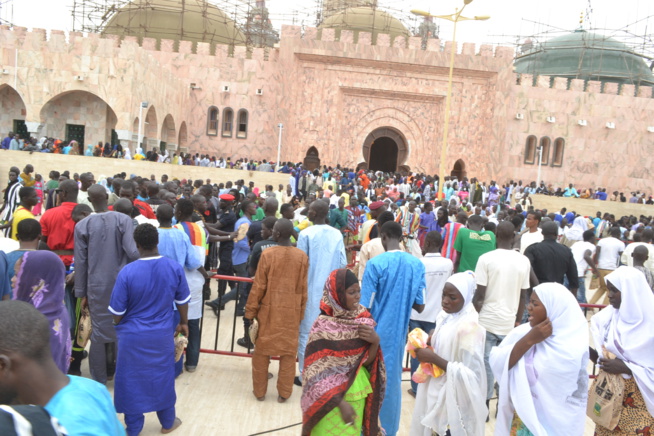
x=128 y=191
x=57 y=224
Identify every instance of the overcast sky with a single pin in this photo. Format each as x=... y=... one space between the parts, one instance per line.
x=509 y=18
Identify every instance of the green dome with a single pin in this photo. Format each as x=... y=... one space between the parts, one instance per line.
x=191 y=20
x=588 y=56
x=365 y=19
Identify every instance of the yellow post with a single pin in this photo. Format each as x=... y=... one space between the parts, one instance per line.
x=448 y=101
x=455 y=18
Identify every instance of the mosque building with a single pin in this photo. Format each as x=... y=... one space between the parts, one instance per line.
x=359 y=90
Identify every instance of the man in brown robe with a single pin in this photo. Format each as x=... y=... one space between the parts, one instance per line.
x=277 y=300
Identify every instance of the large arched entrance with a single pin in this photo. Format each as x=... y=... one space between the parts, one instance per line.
x=312 y=159
x=78 y=115
x=385 y=150
x=168 y=133
x=459 y=170
x=12 y=112
x=182 y=145
x=150 y=140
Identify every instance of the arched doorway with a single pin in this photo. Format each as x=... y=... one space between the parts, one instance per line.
x=312 y=159
x=385 y=150
x=78 y=115
x=12 y=112
x=459 y=170
x=168 y=132
x=383 y=155
x=150 y=129
x=182 y=145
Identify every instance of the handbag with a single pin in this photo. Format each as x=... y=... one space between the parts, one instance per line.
x=84 y=328
x=180 y=343
x=605 y=399
x=253 y=331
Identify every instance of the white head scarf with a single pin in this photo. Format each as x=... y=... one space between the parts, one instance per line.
x=548 y=387
x=456 y=401
x=466 y=284
x=127 y=154
x=628 y=332
x=576 y=232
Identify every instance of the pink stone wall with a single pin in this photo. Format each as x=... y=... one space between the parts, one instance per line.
x=594 y=155
x=331 y=92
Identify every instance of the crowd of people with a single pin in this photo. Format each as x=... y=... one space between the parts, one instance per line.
x=511 y=191
x=350 y=270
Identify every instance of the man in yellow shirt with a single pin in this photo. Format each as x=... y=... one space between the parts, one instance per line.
x=28 y=199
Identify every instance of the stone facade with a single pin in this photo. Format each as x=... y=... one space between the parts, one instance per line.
x=334 y=94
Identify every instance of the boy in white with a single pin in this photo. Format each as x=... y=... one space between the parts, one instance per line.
x=608 y=254
x=502 y=286
x=583 y=254
x=437 y=270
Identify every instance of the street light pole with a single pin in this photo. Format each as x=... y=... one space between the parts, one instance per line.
x=143 y=105
x=540 y=161
x=455 y=18
x=279 y=146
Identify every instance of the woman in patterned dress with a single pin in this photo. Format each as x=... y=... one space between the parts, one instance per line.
x=625 y=329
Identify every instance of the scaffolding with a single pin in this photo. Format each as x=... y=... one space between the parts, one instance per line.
x=7 y=12
x=252 y=18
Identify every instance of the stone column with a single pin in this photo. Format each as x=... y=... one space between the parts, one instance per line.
x=33 y=128
x=125 y=138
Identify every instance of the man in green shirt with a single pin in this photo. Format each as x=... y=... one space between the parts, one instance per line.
x=260 y=215
x=471 y=242
x=338 y=216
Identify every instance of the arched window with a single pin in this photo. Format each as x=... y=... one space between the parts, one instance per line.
x=545 y=142
x=557 y=155
x=228 y=122
x=242 y=127
x=530 y=150
x=212 y=121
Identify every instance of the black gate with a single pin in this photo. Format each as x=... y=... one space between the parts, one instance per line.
x=20 y=128
x=75 y=132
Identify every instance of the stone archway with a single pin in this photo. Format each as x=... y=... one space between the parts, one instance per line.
x=312 y=159
x=168 y=135
x=79 y=115
x=182 y=141
x=150 y=140
x=385 y=149
x=12 y=112
x=459 y=170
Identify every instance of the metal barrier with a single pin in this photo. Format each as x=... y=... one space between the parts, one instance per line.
x=215 y=350
x=354 y=248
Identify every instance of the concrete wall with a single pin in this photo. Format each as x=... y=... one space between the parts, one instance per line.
x=591 y=207
x=45 y=162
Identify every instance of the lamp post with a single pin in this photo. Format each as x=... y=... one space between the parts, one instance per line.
x=143 y=105
x=455 y=18
x=540 y=160
x=279 y=146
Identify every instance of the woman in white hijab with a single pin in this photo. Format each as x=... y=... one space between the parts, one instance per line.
x=127 y=154
x=455 y=400
x=541 y=368
x=576 y=232
x=626 y=329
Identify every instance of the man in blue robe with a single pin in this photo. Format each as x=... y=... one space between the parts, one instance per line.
x=142 y=307
x=324 y=246
x=393 y=284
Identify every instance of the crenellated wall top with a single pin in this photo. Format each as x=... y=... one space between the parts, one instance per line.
x=579 y=85
x=76 y=42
